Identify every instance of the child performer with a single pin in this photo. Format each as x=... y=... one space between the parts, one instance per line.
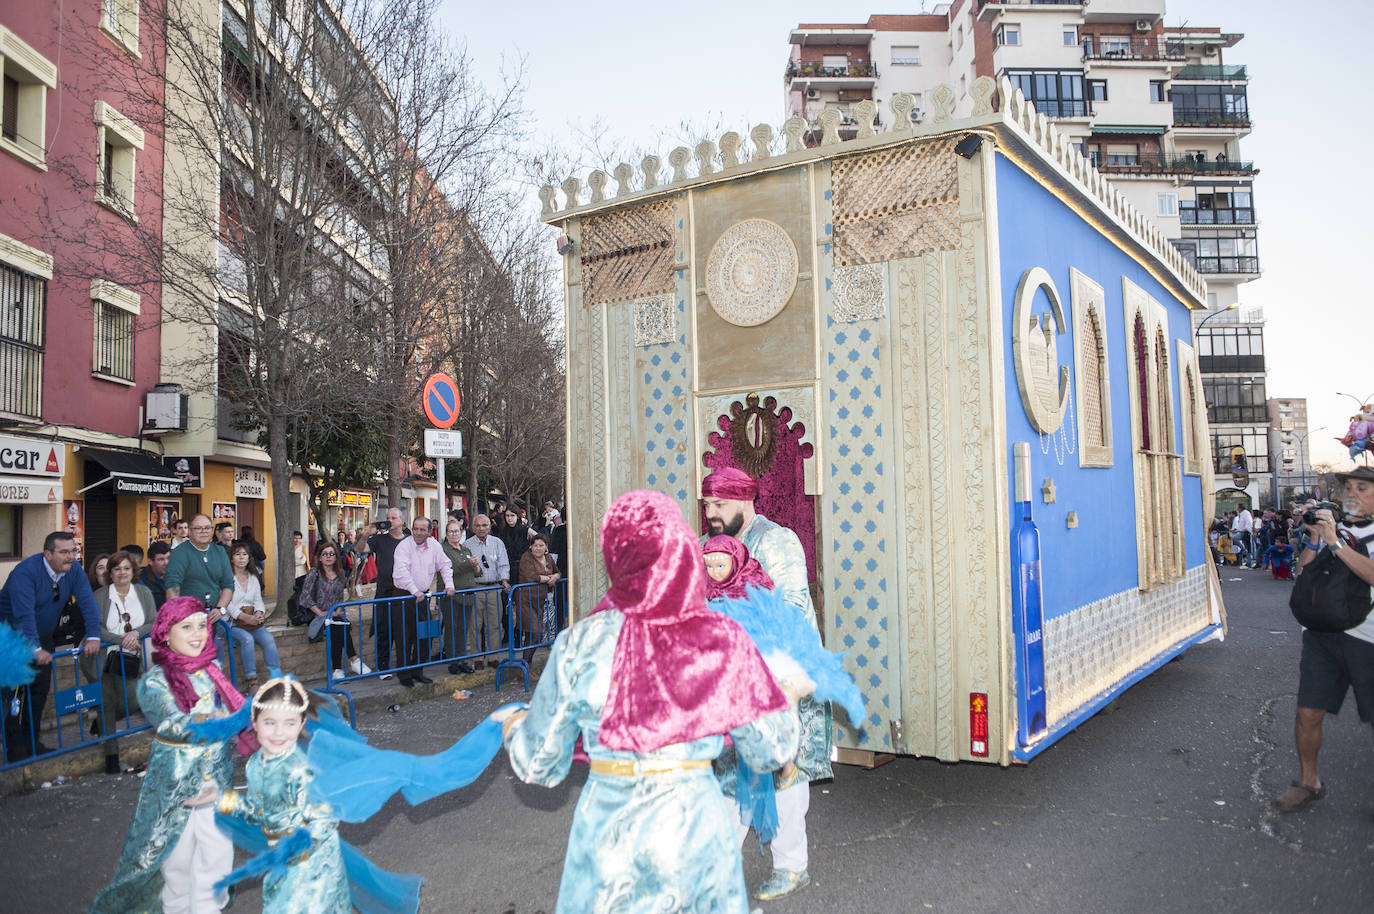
x=277 y=801
x=651 y=681
x=174 y=853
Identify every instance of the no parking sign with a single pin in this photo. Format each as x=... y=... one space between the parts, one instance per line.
x=440 y=400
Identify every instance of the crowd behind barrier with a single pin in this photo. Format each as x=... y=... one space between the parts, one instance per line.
x=94 y=711
x=476 y=627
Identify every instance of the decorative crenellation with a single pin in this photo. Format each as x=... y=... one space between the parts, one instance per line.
x=993 y=102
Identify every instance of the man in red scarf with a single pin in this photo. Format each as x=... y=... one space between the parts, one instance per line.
x=728 y=497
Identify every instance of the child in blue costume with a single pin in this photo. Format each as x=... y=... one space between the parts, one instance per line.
x=278 y=801
x=174 y=853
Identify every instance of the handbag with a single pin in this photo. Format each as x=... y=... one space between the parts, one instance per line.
x=118 y=663
x=1328 y=596
x=316 y=630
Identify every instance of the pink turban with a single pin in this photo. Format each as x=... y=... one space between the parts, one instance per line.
x=730 y=483
x=177 y=668
x=680 y=671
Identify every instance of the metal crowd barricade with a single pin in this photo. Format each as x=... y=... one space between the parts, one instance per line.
x=538 y=612
x=112 y=700
x=478 y=625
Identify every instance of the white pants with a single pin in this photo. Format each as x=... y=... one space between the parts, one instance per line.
x=789 y=845
x=202 y=856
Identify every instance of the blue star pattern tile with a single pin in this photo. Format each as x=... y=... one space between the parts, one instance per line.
x=857 y=519
x=665 y=414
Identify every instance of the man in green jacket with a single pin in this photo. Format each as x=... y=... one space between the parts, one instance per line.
x=200 y=568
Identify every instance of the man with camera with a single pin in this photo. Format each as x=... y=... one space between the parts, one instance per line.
x=491 y=555
x=1334 y=662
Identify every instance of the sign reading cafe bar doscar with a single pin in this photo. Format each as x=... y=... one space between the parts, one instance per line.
x=250 y=483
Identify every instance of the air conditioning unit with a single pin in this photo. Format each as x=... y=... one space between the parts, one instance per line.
x=165 y=408
x=813 y=93
x=1143 y=25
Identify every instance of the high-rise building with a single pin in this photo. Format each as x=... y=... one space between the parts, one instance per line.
x=1290 y=450
x=1158 y=108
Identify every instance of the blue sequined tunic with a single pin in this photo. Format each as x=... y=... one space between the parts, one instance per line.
x=177 y=771
x=277 y=800
x=660 y=842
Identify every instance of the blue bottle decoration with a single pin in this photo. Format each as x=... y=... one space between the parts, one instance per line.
x=1030 y=648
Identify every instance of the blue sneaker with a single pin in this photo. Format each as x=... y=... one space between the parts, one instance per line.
x=782 y=883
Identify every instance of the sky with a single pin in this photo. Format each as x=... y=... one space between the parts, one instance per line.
x=639 y=70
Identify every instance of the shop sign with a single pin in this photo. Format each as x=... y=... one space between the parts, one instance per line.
x=125 y=485
x=31 y=457
x=162 y=517
x=250 y=483
x=190 y=470
x=20 y=490
x=339 y=499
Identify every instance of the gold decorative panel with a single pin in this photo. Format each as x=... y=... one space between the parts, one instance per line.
x=895 y=202
x=628 y=253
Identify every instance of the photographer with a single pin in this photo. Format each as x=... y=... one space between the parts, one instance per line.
x=1334 y=662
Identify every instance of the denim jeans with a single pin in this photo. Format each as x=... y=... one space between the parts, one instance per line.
x=244 y=639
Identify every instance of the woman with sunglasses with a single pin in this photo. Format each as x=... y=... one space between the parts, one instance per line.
x=323 y=587
x=127 y=611
x=248 y=616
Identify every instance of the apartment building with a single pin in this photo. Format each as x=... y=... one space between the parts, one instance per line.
x=1161 y=109
x=1292 y=454
x=81 y=157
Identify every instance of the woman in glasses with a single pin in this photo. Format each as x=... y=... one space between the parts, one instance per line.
x=248 y=617
x=126 y=615
x=323 y=587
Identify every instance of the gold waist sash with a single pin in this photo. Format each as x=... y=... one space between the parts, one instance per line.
x=627 y=768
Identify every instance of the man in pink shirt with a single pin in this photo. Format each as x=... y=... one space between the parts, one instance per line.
x=418 y=557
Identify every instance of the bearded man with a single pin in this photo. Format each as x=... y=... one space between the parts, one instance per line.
x=728 y=498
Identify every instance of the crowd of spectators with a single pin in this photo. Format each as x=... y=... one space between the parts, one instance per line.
x=1269 y=540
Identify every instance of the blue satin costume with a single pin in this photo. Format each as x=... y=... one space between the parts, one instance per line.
x=649 y=842
x=177 y=771
x=277 y=800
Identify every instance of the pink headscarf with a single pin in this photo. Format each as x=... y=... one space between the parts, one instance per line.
x=747 y=569
x=681 y=671
x=178 y=667
x=730 y=483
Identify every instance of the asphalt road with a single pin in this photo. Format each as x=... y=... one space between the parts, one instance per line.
x=1161 y=803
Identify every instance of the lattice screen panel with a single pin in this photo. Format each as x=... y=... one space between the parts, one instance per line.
x=628 y=253
x=896 y=202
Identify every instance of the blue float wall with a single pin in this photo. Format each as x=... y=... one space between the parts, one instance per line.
x=1098 y=558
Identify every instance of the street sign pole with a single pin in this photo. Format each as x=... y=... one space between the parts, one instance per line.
x=440 y=520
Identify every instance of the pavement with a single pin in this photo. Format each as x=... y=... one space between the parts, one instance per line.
x=1159 y=803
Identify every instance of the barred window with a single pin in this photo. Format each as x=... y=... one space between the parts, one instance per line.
x=21 y=341
x=114 y=341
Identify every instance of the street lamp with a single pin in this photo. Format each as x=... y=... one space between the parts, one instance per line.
x=1231 y=307
x=1304 y=456
x=1360 y=402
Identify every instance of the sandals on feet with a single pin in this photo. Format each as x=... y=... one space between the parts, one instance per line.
x=1299 y=797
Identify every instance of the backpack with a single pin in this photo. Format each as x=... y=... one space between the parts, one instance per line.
x=1328 y=596
x=296 y=613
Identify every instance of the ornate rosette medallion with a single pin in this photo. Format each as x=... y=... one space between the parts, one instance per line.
x=751 y=272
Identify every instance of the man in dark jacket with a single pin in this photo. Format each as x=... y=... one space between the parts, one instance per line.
x=383 y=546
x=31 y=601
x=154 y=574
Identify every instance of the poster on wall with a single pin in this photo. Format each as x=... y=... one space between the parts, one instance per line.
x=74 y=519
x=221 y=511
x=161 y=516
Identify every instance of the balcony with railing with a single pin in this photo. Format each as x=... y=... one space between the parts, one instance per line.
x=1201 y=72
x=22 y=341
x=1226 y=264
x=1153 y=163
x=802 y=76
x=1227 y=215
x=1113 y=48
x=1211 y=117
x=1063 y=107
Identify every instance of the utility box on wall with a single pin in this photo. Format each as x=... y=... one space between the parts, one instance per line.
x=883 y=321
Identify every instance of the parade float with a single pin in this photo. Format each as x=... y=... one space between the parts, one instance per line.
x=960 y=366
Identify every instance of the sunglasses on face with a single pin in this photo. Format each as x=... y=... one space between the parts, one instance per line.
x=328 y=555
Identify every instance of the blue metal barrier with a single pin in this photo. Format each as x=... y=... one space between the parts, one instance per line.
x=85 y=695
x=538 y=612
x=475 y=625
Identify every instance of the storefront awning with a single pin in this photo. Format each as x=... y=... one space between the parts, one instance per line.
x=1131 y=129
x=132 y=474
